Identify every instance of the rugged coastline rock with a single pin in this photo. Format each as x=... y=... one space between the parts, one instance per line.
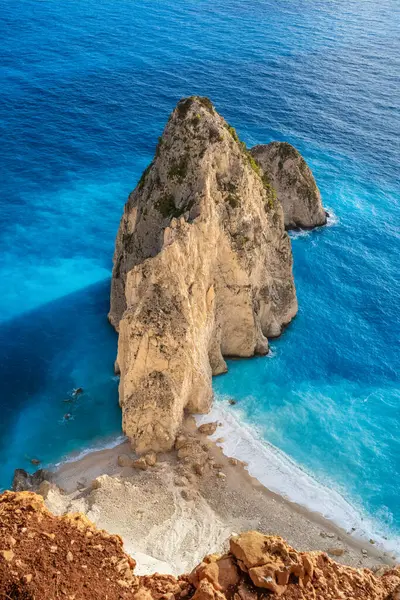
x=202 y=270
x=44 y=556
x=24 y=481
x=294 y=183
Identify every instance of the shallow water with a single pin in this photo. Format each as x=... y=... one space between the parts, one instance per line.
x=85 y=91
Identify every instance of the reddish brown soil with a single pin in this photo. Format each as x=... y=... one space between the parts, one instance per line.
x=44 y=557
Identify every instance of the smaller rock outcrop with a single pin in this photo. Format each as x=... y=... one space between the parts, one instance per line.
x=288 y=174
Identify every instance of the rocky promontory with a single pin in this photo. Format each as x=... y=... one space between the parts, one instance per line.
x=202 y=270
x=294 y=184
x=45 y=556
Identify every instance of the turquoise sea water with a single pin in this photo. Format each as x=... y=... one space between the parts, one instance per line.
x=85 y=90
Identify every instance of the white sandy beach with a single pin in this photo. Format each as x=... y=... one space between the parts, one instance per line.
x=169 y=520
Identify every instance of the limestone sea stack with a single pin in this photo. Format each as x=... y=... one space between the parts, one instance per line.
x=294 y=183
x=202 y=270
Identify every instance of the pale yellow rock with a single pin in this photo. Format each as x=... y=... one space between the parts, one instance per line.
x=124 y=460
x=208 y=428
x=8 y=555
x=151 y=459
x=141 y=463
x=202 y=270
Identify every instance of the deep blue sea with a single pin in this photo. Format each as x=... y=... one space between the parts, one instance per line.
x=85 y=90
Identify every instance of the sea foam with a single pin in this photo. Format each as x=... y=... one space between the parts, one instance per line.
x=281 y=475
x=103 y=444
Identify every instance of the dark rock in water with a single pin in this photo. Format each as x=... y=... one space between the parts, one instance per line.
x=24 y=481
x=21 y=480
x=232 y=402
x=35 y=461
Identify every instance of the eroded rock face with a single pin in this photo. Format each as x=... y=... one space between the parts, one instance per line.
x=202 y=270
x=294 y=183
x=44 y=556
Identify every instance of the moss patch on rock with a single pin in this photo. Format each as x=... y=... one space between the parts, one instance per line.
x=178 y=169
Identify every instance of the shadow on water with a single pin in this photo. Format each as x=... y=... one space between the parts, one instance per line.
x=44 y=354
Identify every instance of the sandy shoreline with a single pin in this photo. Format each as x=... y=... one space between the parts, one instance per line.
x=169 y=520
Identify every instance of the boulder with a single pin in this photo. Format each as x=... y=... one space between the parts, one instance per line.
x=221 y=572
x=208 y=428
x=150 y=458
x=140 y=463
x=180 y=441
x=249 y=548
x=192 y=451
x=189 y=494
x=336 y=551
x=124 y=460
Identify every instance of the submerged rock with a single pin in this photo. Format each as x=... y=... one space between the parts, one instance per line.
x=202 y=270
x=291 y=179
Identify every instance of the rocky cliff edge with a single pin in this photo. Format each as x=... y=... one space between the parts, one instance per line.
x=44 y=556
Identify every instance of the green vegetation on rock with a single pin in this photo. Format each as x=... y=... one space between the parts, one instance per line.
x=144 y=175
x=166 y=206
x=168 y=209
x=241 y=240
x=185 y=105
x=178 y=169
x=270 y=190
x=233 y=133
x=159 y=146
x=254 y=165
x=232 y=200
